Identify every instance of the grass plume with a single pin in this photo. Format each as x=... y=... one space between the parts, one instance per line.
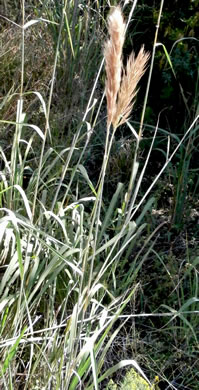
x=121 y=83
x=113 y=57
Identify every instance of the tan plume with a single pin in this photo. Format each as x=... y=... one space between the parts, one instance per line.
x=121 y=85
x=113 y=59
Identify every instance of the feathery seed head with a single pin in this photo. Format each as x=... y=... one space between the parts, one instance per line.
x=132 y=74
x=113 y=58
x=120 y=94
x=117 y=27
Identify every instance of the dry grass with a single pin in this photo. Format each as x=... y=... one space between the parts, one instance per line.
x=38 y=64
x=121 y=83
x=135 y=68
x=113 y=58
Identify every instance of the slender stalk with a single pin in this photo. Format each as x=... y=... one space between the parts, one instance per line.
x=135 y=159
x=15 y=153
x=75 y=139
x=47 y=129
x=15 y=147
x=150 y=70
x=164 y=167
x=22 y=48
x=98 y=205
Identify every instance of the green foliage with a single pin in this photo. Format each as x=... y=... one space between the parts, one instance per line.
x=11 y=353
x=75 y=28
x=179 y=36
x=131 y=381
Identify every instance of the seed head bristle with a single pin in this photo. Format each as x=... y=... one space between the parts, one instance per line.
x=120 y=93
x=132 y=74
x=113 y=59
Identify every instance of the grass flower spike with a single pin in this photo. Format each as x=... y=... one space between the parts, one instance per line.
x=121 y=83
x=135 y=69
x=113 y=58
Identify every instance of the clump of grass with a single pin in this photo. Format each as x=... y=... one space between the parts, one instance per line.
x=53 y=253
x=65 y=280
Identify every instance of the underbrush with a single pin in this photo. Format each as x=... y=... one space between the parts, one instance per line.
x=97 y=290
